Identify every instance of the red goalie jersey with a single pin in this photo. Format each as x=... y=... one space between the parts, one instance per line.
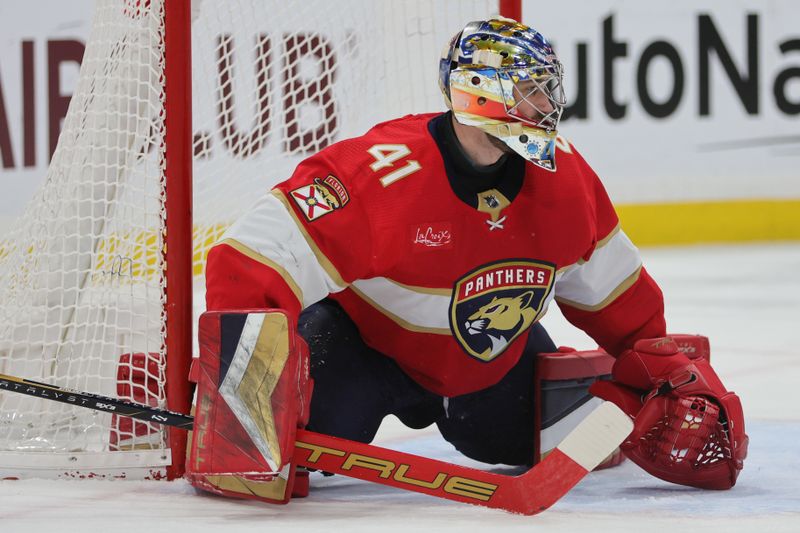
x=444 y=280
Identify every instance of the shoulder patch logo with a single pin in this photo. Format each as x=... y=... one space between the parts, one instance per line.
x=496 y=303
x=321 y=197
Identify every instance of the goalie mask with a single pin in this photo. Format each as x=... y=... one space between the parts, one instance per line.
x=503 y=77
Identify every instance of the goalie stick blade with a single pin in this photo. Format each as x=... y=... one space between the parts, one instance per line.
x=585 y=447
x=597 y=436
x=530 y=493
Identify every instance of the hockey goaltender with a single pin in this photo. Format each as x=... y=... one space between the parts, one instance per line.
x=405 y=272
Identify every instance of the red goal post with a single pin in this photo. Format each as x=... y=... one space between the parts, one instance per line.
x=183 y=114
x=178 y=208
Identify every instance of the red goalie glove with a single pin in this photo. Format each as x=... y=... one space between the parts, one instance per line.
x=688 y=428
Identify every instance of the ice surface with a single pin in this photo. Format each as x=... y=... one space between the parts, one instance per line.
x=745 y=298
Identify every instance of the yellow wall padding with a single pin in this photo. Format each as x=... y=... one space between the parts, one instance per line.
x=719 y=221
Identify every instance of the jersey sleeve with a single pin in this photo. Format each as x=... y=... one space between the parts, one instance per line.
x=608 y=293
x=305 y=239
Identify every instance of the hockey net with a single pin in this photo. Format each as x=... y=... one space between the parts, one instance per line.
x=82 y=274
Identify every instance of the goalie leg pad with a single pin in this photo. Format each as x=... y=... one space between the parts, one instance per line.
x=252 y=394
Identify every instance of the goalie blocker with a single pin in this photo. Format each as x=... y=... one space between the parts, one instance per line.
x=253 y=391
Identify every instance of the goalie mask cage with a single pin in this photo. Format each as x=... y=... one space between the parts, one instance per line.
x=184 y=113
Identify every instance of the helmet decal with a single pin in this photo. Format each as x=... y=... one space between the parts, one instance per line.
x=504 y=78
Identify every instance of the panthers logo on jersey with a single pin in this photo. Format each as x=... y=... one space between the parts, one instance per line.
x=496 y=303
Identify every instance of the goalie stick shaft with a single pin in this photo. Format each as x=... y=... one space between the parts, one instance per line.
x=529 y=493
x=95 y=401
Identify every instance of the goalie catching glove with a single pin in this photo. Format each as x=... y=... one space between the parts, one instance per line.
x=253 y=392
x=688 y=428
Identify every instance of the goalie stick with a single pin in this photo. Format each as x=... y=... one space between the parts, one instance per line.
x=529 y=493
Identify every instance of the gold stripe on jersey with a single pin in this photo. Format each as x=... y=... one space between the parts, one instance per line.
x=322 y=259
x=397 y=320
x=252 y=254
x=626 y=284
x=602 y=242
x=448 y=292
x=591 y=284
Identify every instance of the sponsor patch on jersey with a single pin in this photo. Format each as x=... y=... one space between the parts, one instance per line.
x=432 y=236
x=496 y=303
x=323 y=196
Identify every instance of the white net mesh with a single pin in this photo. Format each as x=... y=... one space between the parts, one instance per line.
x=81 y=284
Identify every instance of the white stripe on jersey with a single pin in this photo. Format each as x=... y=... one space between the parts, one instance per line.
x=270 y=230
x=613 y=268
x=414 y=308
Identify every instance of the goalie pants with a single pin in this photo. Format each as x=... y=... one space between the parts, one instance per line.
x=355 y=387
